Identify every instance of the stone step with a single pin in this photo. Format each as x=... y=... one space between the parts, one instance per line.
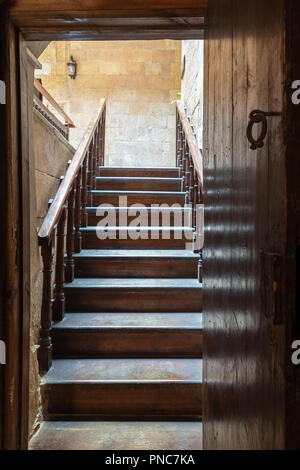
x=136 y=263
x=118 y=435
x=133 y=295
x=123 y=388
x=128 y=335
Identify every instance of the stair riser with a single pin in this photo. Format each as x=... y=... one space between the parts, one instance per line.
x=90 y=241
x=119 y=399
x=136 y=267
x=68 y=343
x=158 y=220
x=139 y=172
x=133 y=300
x=140 y=185
x=145 y=199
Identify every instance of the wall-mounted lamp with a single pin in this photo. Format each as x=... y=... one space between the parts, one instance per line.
x=72 y=65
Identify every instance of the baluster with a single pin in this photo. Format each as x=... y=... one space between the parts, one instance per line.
x=70 y=265
x=78 y=237
x=177 y=140
x=184 y=163
x=103 y=135
x=97 y=153
x=200 y=269
x=187 y=175
x=195 y=190
x=90 y=175
x=180 y=151
x=84 y=214
x=94 y=162
x=58 y=308
x=45 y=347
x=191 y=181
x=101 y=159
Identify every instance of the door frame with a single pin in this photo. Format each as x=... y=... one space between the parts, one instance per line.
x=15 y=132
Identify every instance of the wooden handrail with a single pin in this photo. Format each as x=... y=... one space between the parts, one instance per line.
x=39 y=87
x=66 y=215
x=53 y=215
x=191 y=140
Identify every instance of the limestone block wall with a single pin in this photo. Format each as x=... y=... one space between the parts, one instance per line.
x=192 y=84
x=140 y=80
x=51 y=152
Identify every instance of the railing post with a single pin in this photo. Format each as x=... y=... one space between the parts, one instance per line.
x=195 y=192
x=78 y=237
x=187 y=174
x=58 y=309
x=84 y=215
x=70 y=265
x=102 y=136
x=90 y=175
x=45 y=347
x=94 y=162
x=191 y=181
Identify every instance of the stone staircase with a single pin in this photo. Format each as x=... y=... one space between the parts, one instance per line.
x=127 y=369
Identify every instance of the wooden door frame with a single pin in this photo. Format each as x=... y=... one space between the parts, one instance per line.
x=165 y=19
x=162 y=22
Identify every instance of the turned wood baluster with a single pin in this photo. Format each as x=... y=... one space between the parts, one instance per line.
x=184 y=163
x=94 y=162
x=84 y=214
x=103 y=136
x=90 y=175
x=191 y=181
x=187 y=174
x=181 y=150
x=177 y=140
x=101 y=157
x=78 y=237
x=58 y=309
x=70 y=265
x=45 y=347
x=97 y=152
x=195 y=190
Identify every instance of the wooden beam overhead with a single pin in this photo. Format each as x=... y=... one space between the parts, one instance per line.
x=108 y=8
x=106 y=20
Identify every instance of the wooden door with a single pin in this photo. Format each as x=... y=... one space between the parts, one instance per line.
x=247 y=321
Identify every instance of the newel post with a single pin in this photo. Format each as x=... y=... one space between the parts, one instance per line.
x=45 y=347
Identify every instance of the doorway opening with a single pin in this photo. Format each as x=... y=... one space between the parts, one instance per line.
x=141 y=82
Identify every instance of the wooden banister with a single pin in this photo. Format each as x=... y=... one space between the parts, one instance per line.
x=191 y=140
x=189 y=161
x=46 y=94
x=66 y=215
x=51 y=219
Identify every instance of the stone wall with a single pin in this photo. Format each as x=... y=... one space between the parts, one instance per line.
x=192 y=84
x=51 y=154
x=140 y=80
